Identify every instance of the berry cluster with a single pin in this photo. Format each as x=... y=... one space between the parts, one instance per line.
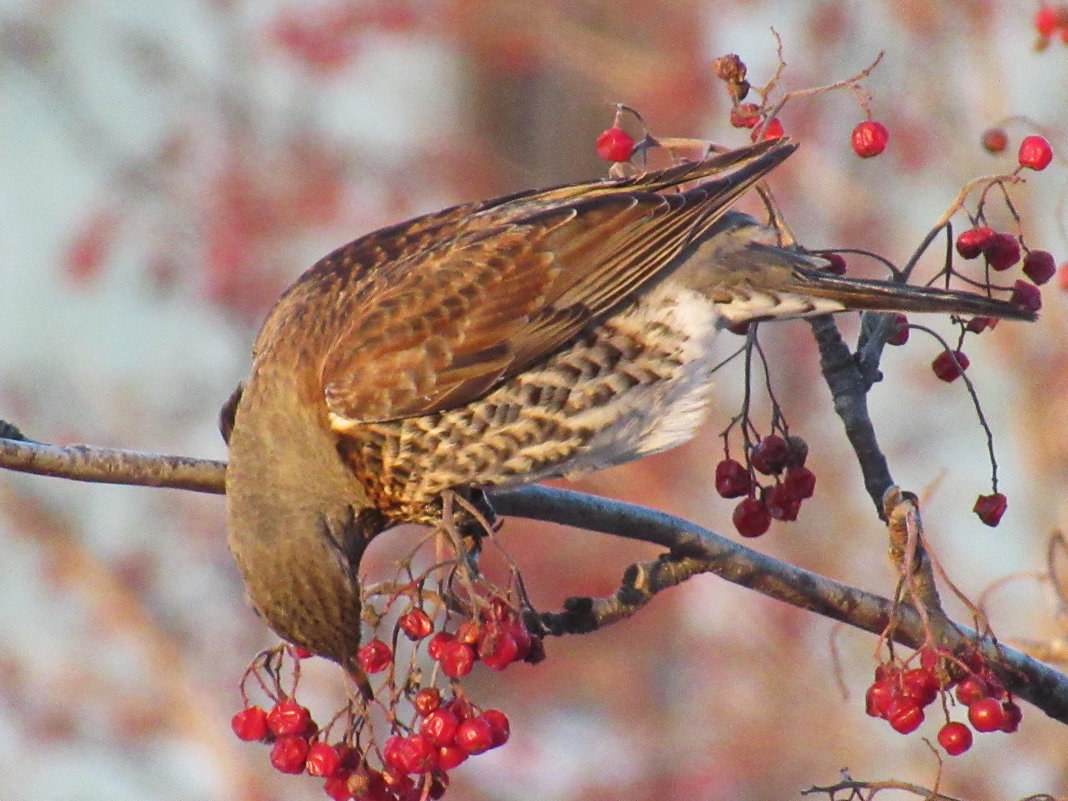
x=900 y=694
x=775 y=456
x=411 y=721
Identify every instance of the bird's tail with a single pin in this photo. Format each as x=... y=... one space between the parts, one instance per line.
x=857 y=294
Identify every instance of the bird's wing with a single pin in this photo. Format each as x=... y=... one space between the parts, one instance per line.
x=513 y=282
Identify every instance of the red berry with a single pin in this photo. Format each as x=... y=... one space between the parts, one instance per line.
x=782 y=503
x=1002 y=252
x=800 y=481
x=1035 y=153
x=899 y=334
x=986 y=714
x=971 y=689
x=974 y=241
x=289 y=753
x=836 y=263
x=468 y=632
x=886 y=670
x=1039 y=266
x=288 y=717
x=615 y=144
x=323 y=760
x=995 y=140
x=746 y=115
x=1047 y=20
x=772 y=130
x=770 y=455
x=921 y=685
x=732 y=479
x=946 y=368
x=457 y=659
x=436 y=647
x=990 y=508
x=416 y=624
x=955 y=737
x=497 y=648
x=413 y=754
x=877 y=699
x=439 y=727
x=904 y=714
x=1013 y=716
x=337 y=786
x=476 y=735
x=751 y=518
x=375 y=656
x=498 y=721
x=250 y=723
x=870 y=139
x=426 y=700
x=1026 y=295
x=451 y=756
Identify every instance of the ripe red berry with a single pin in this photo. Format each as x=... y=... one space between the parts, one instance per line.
x=745 y=115
x=1002 y=252
x=971 y=689
x=451 y=756
x=439 y=727
x=870 y=139
x=801 y=482
x=732 y=479
x=476 y=735
x=615 y=144
x=436 y=647
x=782 y=503
x=904 y=714
x=877 y=699
x=288 y=717
x=1026 y=295
x=772 y=130
x=974 y=241
x=250 y=723
x=496 y=647
x=375 y=656
x=499 y=723
x=955 y=737
x=416 y=624
x=289 y=753
x=412 y=754
x=921 y=685
x=457 y=659
x=1047 y=20
x=427 y=700
x=751 y=518
x=990 y=508
x=995 y=140
x=770 y=455
x=1035 y=153
x=1039 y=266
x=986 y=714
x=836 y=263
x=899 y=334
x=946 y=368
x=1013 y=716
x=337 y=786
x=323 y=760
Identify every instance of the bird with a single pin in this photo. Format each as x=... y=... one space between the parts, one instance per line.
x=541 y=334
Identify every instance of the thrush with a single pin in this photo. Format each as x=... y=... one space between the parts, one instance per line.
x=501 y=342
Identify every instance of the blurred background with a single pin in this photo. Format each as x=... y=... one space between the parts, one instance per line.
x=166 y=169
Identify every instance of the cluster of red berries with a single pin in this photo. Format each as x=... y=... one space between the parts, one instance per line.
x=1049 y=19
x=899 y=695
x=448 y=733
x=414 y=760
x=771 y=456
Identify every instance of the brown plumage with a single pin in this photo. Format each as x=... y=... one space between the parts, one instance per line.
x=506 y=341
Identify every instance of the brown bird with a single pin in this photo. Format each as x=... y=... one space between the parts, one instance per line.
x=535 y=335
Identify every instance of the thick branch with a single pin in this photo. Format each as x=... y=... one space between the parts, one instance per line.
x=1037 y=683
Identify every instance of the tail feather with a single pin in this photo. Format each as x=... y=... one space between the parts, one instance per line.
x=857 y=294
